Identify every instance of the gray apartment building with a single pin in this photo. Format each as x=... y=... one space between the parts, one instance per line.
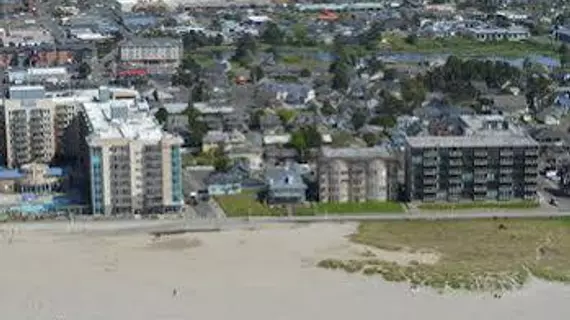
x=357 y=175
x=491 y=159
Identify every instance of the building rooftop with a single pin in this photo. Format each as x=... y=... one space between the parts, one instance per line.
x=152 y=42
x=205 y=108
x=479 y=132
x=355 y=153
x=122 y=119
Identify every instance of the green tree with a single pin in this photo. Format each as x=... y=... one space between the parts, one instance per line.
x=15 y=60
x=200 y=92
x=161 y=115
x=195 y=124
x=537 y=92
x=246 y=50
x=300 y=34
x=274 y=52
x=358 y=119
x=286 y=115
x=221 y=161
x=272 y=34
x=371 y=139
x=305 y=73
x=327 y=109
x=304 y=139
x=564 y=55
x=256 y=73
x=411 y=39
x=255 y=119
x=413 y=92
x=84 y=70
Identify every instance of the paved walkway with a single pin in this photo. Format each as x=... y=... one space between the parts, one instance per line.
x=190 y=223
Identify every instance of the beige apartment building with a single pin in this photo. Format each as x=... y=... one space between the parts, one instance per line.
x=357 y=175
x=29 y=127
x=35 y=127
x=134 y=166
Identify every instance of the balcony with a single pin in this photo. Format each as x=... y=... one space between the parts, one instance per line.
x=530 y=162
x=431 y=154
x=455 y=181
x=480 y=179
x=506 y=162
x=430 y=181
x=455 y=172
x=480 y=163
x=431 y=172
x=531 y=152
x=506 y=180
x=530 y=170
x=480 y=189
x=455 y=163
x=506 y=171
x=430 y=190
x=480 y=154
x=507 y=153
x=455 y=154
x=430 y=163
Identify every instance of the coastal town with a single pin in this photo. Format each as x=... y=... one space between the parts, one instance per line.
x=166 y=118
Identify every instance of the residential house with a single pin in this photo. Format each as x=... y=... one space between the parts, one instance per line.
x=284 y=185
x=233 y=181
x=293 y=94
x=551 y=116
x=508 y=104
x=269 y=121
x=229 y=140
x=221 y=117
x=249 y=155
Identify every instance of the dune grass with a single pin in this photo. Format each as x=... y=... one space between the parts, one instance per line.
x=483 y=255
x=480 y=205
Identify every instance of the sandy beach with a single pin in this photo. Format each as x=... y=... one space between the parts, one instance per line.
x=262 y=274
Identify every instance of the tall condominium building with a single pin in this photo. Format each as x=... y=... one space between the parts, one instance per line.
x=27 y=121
x=357 y=175
x=135 y=167
x=35 y=125
x=488 y=159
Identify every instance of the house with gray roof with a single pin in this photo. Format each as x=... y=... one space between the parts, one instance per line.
x=284 y=185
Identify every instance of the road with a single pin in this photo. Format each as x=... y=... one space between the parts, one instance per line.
x=192 y=182
x=197 y=224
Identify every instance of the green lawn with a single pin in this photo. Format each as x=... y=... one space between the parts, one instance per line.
x=349 y=208
x=246 y=204
x=465 y=46
x=486 y=255
x=480 y=205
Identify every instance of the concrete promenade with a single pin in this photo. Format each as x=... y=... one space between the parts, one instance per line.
x=196 y=224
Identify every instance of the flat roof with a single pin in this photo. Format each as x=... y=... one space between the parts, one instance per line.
x=355 y=153
x=473 y=141
x=138 y=124
x=152 y=42
x=480 y=131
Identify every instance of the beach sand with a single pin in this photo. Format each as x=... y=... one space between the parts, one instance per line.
x=262 y=274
